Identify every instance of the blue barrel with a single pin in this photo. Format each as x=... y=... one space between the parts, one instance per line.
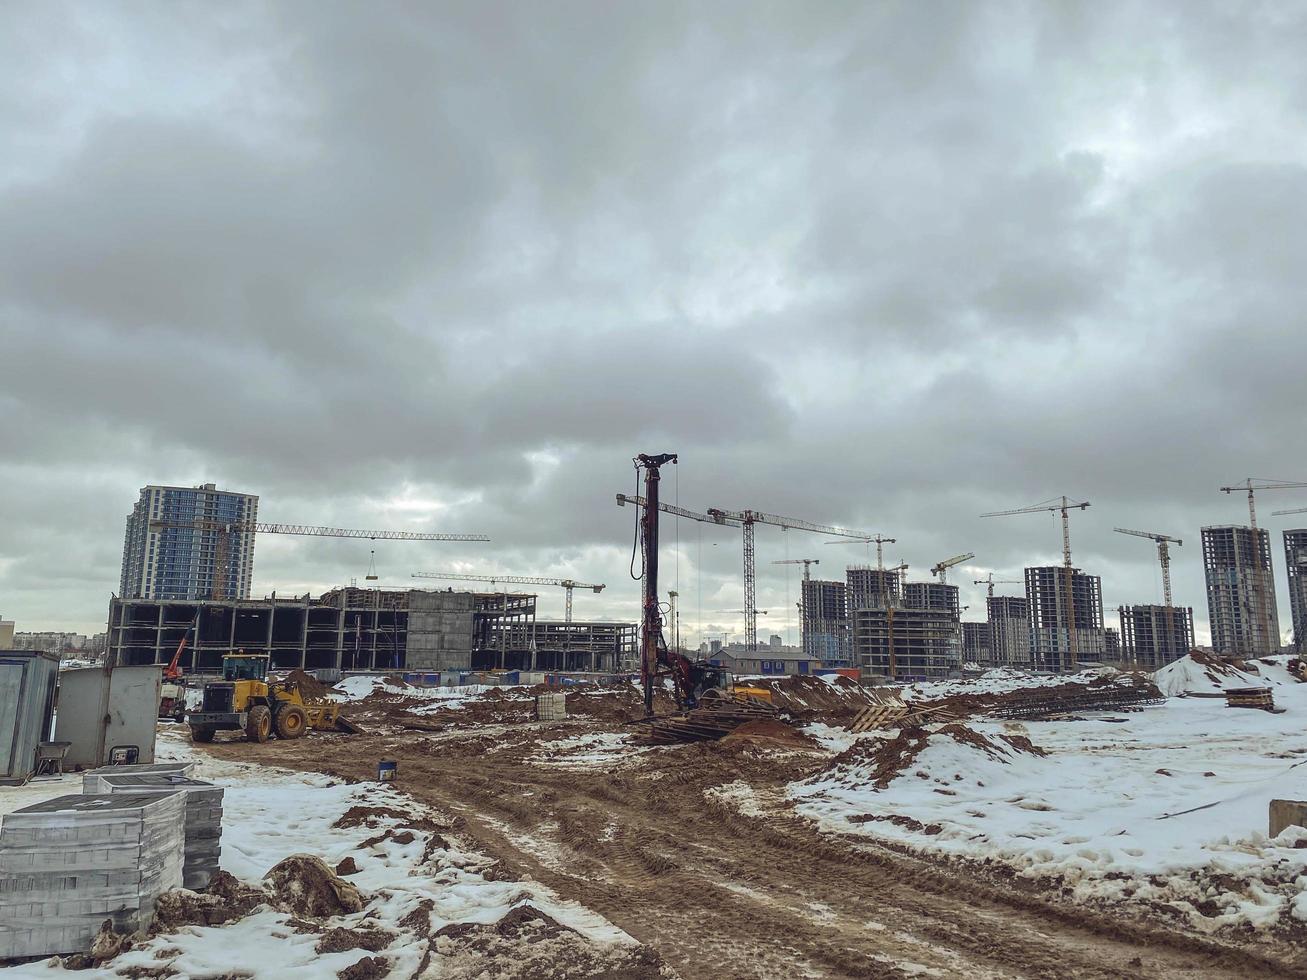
x=387 y=770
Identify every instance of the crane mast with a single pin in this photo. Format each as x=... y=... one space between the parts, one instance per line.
x=748 y=518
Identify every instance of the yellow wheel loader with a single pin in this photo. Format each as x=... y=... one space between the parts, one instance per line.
x=245 y=700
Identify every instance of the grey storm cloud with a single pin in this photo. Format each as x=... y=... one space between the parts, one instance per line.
x=451 y=266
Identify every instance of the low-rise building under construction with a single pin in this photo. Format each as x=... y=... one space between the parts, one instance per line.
x=354 y=629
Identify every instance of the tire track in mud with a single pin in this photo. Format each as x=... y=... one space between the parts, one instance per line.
x=722 y=895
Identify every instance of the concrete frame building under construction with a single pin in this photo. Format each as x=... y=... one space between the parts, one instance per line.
x=355 y=629
x=1241 y=606
x=1009 y=630
x=1050 y=621
x=975 y=643
x=1295 y=564
x=1154 y=636
x=825 y=621
x=903 y=631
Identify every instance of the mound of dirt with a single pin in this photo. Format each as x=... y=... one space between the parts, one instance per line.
x=225 y=900
x=305 y=885
x=880 y=761
x=526 y=943
x=772 y=732
x=310 y=687
x=1202 y=675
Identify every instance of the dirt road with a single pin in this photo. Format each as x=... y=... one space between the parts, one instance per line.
x=652 y=845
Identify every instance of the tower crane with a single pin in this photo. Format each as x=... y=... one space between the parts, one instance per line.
x=990 y=581
x=1064 y=506
x=805 y=622
x=1291 y=510
x=941 y=569
x=748 y=518
x=1164 y=559
x=1251 y=484
x=1163 y=555
x=563 y=583
x=225 y=530
x=880 y=543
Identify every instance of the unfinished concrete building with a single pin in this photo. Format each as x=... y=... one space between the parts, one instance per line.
x=899 y=644
x=1295 y=563
x=1154 y=636
x=826 y=622
x=869 y=588
x=936 y=596
x=1009 y=630
x=1240 y=591
x=975 y=643
x=1051 y=623
x=365 y=630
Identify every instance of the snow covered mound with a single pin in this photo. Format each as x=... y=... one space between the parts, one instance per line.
x=872 y=764
x=1201 y=674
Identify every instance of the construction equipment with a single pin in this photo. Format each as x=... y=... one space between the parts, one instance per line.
x=692 y=680
x=494 y=580
x=1163 y=559
x=172 y=692
x=805 y=620
x=990 y=581
x=224 y=531
x=1163 y=555
x=941 y=568
x=1292 y=510
x=245 y=700
x=1063 y=506
x=747 y=519
x=1253 y=483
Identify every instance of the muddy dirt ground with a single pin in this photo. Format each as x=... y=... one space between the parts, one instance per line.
x=662 y=843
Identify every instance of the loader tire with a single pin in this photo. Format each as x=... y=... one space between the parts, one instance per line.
x=203 y=733
x=292 y=721
x=258 y=725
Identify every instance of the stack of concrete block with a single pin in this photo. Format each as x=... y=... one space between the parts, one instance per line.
x=551 y=707
x=91 y=778
x=69 y=864
x=203 y=820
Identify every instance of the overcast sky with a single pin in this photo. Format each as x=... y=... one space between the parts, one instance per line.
x=450 y=266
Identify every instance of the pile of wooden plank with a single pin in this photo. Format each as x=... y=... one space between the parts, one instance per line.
x=711 y=720
x=1250 y=697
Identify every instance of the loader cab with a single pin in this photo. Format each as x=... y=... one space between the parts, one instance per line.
x=245 y=667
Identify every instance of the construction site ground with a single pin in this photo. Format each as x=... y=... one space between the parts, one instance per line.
x=700 y=853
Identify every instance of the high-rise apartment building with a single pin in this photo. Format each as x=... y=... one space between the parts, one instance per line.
x=1295 y=561
x=1052 y=642
x=871 y=588
x=1009 y=630
x=975 y=642
x=1240 y=590
x=825 y=621
x=181 y=544
x=1154 y=636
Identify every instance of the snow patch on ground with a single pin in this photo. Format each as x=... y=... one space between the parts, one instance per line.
x=269 y=814
x=1168 y=804
x=591 y=749
x=1202 y=675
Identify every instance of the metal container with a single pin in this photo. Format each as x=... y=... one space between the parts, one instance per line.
x=28 y=679
x=387 y=770
x=109 y=716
